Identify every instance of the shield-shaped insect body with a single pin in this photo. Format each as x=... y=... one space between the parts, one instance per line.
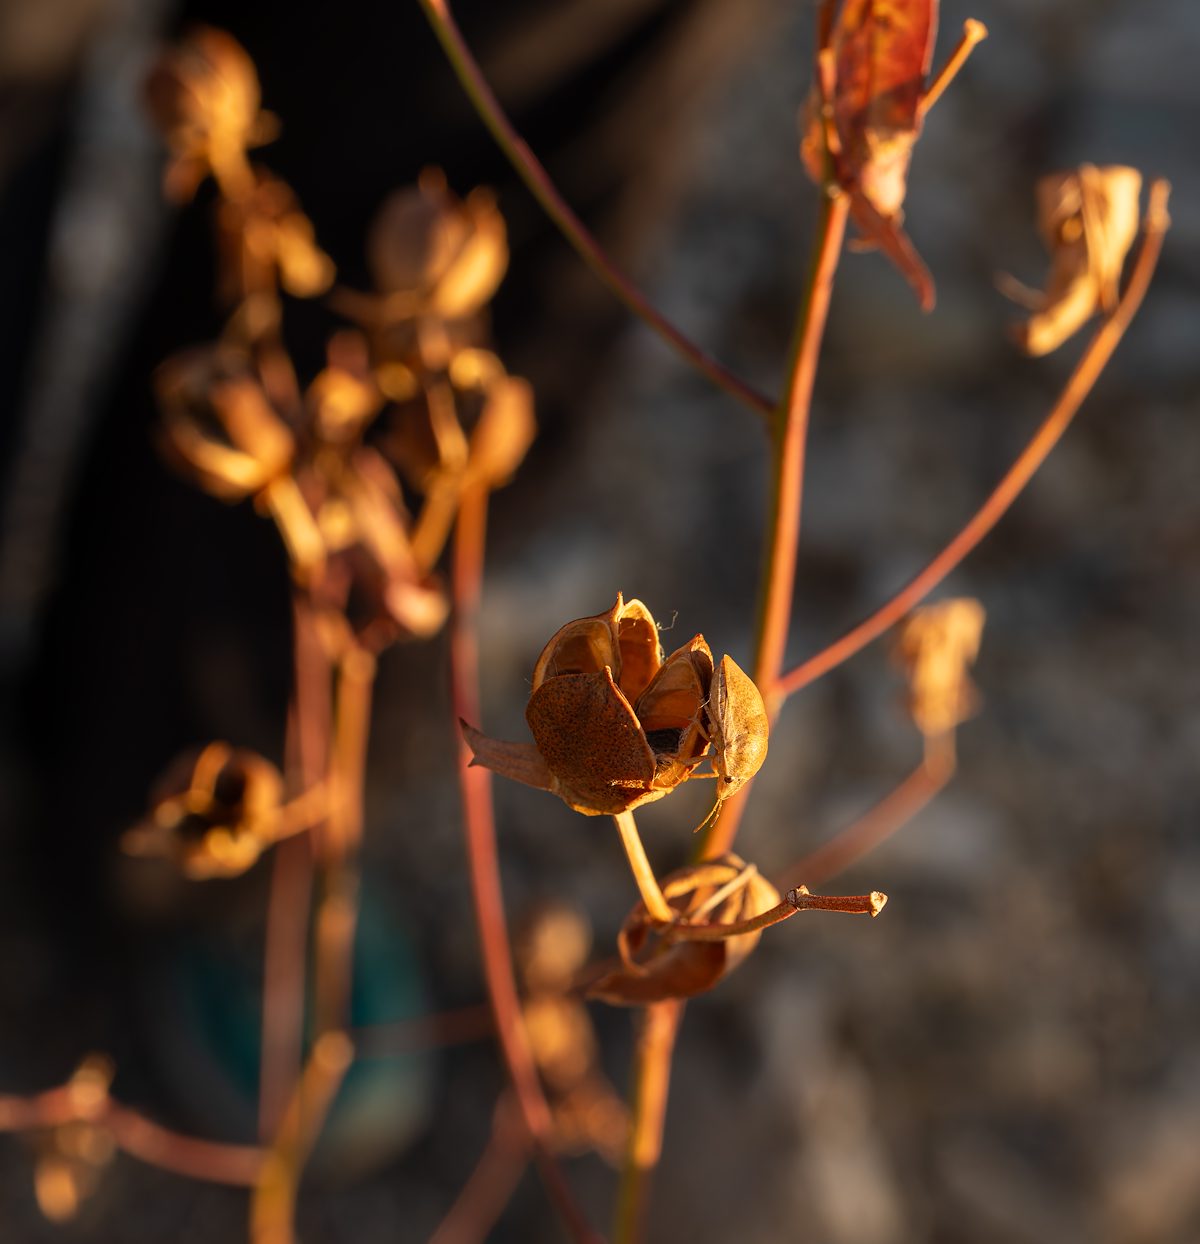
x=738 y=727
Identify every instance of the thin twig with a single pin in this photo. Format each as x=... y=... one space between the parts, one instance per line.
x=483 y=860
x=538 y=181
x=289 y=898
x=140 y=1137
x=273 y=1206
x=490 y=1186
x=878 y=824
x=974 y=32
x=1083 y=378
x=424 y=1032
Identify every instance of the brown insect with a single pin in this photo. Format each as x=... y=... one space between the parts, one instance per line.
x=737 y=726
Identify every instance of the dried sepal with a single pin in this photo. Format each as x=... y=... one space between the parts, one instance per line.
x=654 y=967
x=214 y=813
x=1088 y=219
x=204 y=96
x=936 y=646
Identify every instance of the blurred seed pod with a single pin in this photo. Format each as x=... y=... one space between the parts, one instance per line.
x=203 y=94
x=212 y=814
x=446 y=254
x=1088 y=219
x=935 y=646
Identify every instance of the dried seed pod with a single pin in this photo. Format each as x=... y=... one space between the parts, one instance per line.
x=1088 y=219
x=738 y=726
x=654 y=968
x=936 y=645
x=614 y=725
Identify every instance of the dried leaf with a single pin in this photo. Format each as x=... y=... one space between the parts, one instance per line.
x=936 y=645
x=1088 y=219
x=880 y=52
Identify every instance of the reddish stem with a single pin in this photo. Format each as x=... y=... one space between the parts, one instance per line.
x=483 y=860
x=1082 y=379
x=137 y=1135
x=538 y=181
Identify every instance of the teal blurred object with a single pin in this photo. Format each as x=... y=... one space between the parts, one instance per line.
x=203 y=1004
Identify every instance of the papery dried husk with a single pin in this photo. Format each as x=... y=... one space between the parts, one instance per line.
x=671 y=712
x=1088 y=219
x=592 y=743
x=936 y=645
x=653 y=969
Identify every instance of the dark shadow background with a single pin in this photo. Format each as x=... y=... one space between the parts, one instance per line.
x=1009 y=1054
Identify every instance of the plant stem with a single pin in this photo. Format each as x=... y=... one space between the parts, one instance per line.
x=483 y=860
x=974 y=32
x=658 y=1027
x=289 y=899
x=491 y=1184
x=538 y=181
x=787 y=487
x=136 y=1135
x=1079 y=385
x=272 y=1209
x=643 y=874
x=875 y=826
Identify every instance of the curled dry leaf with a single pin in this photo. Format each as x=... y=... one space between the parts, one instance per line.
x=936 y=645
x=615 y=725
x=654 y=967
x=204 y=96
x=214 y=813
x=1088 y=219
x=864 y=117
